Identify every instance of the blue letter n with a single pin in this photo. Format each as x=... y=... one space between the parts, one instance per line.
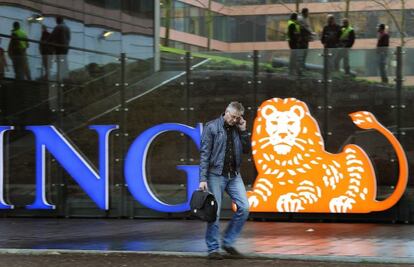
x=96 y=186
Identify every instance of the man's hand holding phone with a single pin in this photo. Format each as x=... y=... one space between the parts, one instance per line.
x=242 y=124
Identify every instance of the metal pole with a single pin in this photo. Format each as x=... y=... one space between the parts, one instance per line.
x=255 y=77
x=398 y=84
x=124 y=209
x=188 y=84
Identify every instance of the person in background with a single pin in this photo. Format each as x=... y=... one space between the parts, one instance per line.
x=382 y=51
x=294 y=35
x=307 y=35
x=17 y=52
x=60 y=39
x=330 y=39
x=222 y=143
x=3 y=62
x=46 y=52
x=346 y=41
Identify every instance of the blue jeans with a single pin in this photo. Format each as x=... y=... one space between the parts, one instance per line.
x=237 y=192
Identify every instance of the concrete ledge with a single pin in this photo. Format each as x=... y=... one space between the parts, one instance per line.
x=255 y=256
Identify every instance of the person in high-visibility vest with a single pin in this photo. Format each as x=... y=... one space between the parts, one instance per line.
x=293 y=37
x=346 y=41
x=17 y=52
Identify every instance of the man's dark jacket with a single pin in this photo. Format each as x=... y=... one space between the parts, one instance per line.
x=330 y=36
x=61 y=37
x=213 y=148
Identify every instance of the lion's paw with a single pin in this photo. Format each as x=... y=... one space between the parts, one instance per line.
x=341 y=204
x=289 y=203
x=253 y=200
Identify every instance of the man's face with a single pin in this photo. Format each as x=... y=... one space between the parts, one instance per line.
x=345 y=23
x=331 y=20
x=232 y=117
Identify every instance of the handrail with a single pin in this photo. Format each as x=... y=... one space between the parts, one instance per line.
x=59 y=45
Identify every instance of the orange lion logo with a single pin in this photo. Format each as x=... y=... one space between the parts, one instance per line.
x=296 y=174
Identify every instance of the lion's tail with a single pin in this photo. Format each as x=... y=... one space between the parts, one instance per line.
x=366 y=120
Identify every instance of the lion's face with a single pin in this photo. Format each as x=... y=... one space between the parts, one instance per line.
x=283 y=127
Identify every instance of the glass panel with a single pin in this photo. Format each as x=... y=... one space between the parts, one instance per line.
x=360 y=89
x=159 y=98
x=284 y=75
x=406 y=118
x=26 y=100
x=90 y=95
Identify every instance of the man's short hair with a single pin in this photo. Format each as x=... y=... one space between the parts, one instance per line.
x=16 y=25
x=305 y=10
x=59 y=19
x=381 y=26
x=236 y=106
x=294 y=16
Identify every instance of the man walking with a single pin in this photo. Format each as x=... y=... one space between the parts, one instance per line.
x=223 y=142
x=382 y=52
x=346 y=41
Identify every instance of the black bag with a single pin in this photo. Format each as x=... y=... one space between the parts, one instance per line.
x=203 y=206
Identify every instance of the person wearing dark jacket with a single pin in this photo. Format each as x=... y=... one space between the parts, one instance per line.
x=45 y=51
x=382 y=52
x=346 y=41
x=60 y=39
x=3 y=62
x=293 y=34
x=222 y=144
x=306 y=35
x=330 y=39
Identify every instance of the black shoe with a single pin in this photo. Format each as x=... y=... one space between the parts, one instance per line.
x=215 y=256
x=232 y=251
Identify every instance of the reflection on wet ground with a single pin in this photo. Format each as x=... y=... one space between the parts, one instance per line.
x=284 y=238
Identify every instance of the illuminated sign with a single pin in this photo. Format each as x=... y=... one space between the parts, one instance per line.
x=94 y=183
x=135 y=171
x=296 y=174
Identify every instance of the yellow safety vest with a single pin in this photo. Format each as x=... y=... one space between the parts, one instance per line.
x=345 y=33
x=297 y=27
x=21 y=35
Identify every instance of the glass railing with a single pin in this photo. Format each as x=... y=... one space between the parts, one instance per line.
x=268 y=2
x=193 y=88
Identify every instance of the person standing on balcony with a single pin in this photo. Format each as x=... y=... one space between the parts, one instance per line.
x=307 y=35
x=346 y=41
x=294 y=35
x=330 y=39
x=45 y=51
x=222 y=144
x=17 y=52
x=60 y=39
x=3 y=62
x=382 y=52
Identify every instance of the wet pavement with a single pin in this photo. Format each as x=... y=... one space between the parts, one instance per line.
x=124 y=260
x=339 y=242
